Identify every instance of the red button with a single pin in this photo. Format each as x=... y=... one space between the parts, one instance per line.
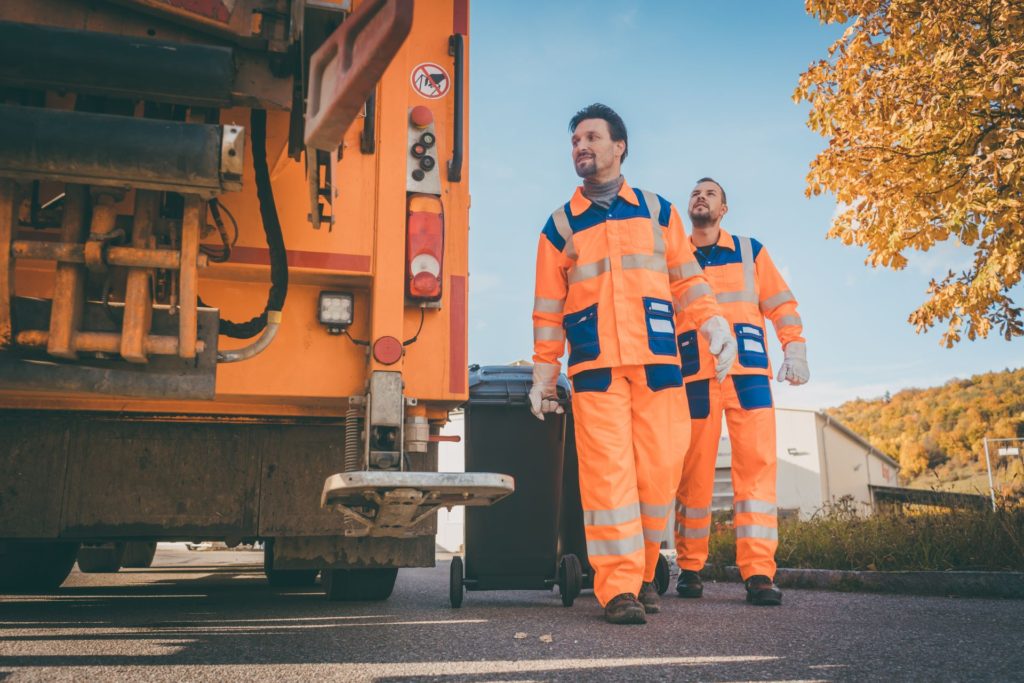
x=421 y=117
x=387 y=350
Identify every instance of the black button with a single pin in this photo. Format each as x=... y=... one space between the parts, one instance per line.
x=418 y=175
x=427 y=163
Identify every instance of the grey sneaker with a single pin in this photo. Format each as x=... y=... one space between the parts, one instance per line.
x=624 y=608
x=649 y=597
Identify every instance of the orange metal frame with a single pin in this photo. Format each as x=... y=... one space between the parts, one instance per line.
x=306 y=370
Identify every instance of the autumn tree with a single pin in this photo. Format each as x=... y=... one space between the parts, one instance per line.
x=922 y=102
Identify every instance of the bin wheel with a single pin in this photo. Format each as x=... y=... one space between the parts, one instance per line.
x=455 y=587
x=570 y=579
x=661 y=575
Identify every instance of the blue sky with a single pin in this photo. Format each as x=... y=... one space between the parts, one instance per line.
x=704 y=89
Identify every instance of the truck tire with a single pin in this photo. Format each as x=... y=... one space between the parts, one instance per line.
x=357 y=585
x=101 y=559
x=35 y=566
x=285 y=578
x=138 y=554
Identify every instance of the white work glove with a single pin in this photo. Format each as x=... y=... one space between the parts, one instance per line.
x=544 y=391
x=794 y=368
x=721 y=344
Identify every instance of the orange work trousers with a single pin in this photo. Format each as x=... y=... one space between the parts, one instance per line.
x=750 y=418
x=632 y=425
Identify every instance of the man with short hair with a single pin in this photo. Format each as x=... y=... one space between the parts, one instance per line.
x=748 y=287
x=615 y=278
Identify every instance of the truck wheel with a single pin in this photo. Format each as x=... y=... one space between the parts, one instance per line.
x=354 y=585
x=285 y=578
x=101 y=559
x=27 y=566
x=138 y=554
x=662 y=577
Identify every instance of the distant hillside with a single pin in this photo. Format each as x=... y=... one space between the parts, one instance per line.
x=937 y=433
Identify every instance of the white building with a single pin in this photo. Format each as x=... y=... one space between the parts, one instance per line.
x=451 y=458
x=819 y=461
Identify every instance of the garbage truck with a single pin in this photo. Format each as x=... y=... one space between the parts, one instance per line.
x=233 y=283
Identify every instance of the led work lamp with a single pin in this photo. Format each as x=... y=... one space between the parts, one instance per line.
x=335 y=311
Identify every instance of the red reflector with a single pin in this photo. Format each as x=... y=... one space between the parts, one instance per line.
x=387 y=350
x=421 y=117
x=425 y=284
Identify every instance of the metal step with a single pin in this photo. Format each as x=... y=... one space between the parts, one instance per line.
x=393 y=503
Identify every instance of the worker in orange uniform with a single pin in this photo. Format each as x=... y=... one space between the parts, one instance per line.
x=749 y=288
x=615 y=278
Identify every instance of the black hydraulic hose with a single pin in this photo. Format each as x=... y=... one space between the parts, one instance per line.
x=272 y=229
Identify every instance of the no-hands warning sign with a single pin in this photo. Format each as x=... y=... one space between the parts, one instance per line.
x=430 y=80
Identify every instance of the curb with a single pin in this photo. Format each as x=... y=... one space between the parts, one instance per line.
x=953 y=583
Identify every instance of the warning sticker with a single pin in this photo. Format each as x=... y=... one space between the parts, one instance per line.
x=430 y=80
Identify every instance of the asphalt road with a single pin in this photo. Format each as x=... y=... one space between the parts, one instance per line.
x=211 y=616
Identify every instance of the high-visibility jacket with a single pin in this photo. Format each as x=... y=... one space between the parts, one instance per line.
x=616 y=283
x=748 y=287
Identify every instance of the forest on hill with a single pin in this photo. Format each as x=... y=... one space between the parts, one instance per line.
x=936 y=433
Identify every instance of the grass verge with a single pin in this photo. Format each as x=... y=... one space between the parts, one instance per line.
x=839 y=538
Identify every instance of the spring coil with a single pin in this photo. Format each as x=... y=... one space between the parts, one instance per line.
x=353 y=454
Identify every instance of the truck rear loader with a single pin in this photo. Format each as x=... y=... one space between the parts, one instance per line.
x=233 y=283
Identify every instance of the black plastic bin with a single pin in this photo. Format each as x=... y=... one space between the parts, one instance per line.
x=514 y=545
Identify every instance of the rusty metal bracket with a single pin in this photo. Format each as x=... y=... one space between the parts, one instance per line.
x=345 y=70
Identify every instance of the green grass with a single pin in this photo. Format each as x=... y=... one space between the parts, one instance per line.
x=838 y=538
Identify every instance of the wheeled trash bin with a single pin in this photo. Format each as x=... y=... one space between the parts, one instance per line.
x=515 y=544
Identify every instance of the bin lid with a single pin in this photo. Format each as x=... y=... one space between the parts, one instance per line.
x=506 y=385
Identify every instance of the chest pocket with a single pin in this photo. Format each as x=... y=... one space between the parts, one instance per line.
x=661 y=329
x=727 y=278
x=751 y=342
x=581 y=331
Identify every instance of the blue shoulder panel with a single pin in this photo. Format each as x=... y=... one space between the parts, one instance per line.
x=757 y=246
x=551 y=232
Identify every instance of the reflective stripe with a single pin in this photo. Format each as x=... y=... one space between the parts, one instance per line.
x=542 y=305
x=645 y=262
x=656 y=511
x=684 y=270
x=589 y=270
x=759 y=506
x=757 y=531
x=548 y=334
x=561 y=222
x=546 y=371
x=789 y=320
x=694 y=513
x=626 y=513
x=692 y=294
x=776 y=300
x=654 y=535
x=654 y=208
x=619 y=546
x=747 y=255
x=733 y=297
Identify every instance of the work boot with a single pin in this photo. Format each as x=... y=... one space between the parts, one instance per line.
x=649 y=597
x=689 y=585
x=624 y=608
x=762 y=591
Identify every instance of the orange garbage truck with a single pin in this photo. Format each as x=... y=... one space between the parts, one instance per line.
x=233 y=283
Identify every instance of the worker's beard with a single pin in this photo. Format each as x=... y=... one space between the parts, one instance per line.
x=586 y=168
x=701 y=220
